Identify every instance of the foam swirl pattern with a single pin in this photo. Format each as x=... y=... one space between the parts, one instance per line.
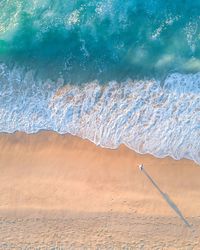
x=105 y=39
x=157 y=117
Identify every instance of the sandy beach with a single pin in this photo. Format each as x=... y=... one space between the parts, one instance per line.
x=63 y=192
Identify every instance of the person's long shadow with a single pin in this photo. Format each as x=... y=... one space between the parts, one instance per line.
x=165 y=197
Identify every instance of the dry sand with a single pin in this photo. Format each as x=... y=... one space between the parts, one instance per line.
x=62 y=192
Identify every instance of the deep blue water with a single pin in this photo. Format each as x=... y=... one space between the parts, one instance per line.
x=105 y=40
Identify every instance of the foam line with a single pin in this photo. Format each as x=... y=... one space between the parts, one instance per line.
x=149 y=116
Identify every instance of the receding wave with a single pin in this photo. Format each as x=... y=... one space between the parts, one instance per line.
x=149 y=116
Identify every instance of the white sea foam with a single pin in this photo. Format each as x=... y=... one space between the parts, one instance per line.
x=161 y=118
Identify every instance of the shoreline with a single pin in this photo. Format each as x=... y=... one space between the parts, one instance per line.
x=41 y=131
x=69 y=190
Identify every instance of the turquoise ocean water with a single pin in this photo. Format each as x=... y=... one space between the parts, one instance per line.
x=111 y=71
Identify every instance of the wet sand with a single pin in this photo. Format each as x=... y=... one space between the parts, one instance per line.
x=65 y=192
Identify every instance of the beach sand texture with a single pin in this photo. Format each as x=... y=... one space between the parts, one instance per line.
x=63 y=192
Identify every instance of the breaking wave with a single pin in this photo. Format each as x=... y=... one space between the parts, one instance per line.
x=149 y=116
